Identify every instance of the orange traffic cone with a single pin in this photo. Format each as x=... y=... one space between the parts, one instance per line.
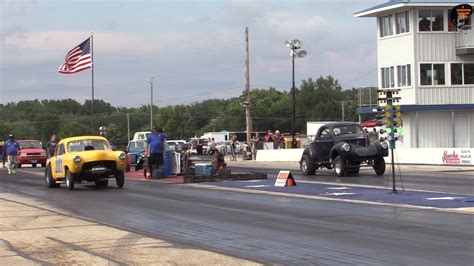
x=290 y=182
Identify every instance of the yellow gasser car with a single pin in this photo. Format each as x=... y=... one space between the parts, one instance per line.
x=86 y=158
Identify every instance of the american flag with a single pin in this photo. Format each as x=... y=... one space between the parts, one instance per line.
x=78 y=59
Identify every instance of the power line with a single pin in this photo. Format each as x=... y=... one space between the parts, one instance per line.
x=357 y=78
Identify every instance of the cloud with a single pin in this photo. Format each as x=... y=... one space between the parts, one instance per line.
x=287 y=23
x=15 y=8
x=198 y=53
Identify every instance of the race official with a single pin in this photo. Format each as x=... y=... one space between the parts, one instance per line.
x=155 y=148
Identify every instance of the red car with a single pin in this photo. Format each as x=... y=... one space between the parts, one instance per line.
x=31 y=152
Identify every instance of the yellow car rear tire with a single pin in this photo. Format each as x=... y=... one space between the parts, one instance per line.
x=50 y=182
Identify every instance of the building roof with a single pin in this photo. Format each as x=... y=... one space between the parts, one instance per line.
x=395 y=4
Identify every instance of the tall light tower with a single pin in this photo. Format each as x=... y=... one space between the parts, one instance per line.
x=295 y=47
x=151 y=80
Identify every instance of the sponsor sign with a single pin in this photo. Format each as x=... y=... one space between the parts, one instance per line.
x=457 y=157
x=284 y=179
x=461 y=15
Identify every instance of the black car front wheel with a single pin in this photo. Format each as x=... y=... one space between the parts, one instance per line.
x=379 y=166
x=307 y=165
x=339 y=166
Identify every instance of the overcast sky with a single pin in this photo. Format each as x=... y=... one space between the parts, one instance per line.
x=194 y=48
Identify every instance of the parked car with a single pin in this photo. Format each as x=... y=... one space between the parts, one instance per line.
x=343 y=147
x=31 y=152
x=178 y=145
x=199 y=147
x=86 y=158
x=134 y=148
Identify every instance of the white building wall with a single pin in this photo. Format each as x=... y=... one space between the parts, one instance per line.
x=397 y=50
x=445 y=95
x=439 y=47
x=435 y=130
x=409 y=134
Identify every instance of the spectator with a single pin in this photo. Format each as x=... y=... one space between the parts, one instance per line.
x=212 y=146
x=424 y=24
x=155 y=148
x=374 y=135
x=365 y=130
x=51 y=146
x=233 y=148
x=276 y=140
x=268 y=137
x=10 y=151
x=256 y=145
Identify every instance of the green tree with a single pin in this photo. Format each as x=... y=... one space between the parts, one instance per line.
x=73 y=128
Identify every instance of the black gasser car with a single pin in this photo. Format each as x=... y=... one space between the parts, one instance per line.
x=343 y=147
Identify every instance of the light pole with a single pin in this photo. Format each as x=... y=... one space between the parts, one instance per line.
x=151 y=80
x=295 y=47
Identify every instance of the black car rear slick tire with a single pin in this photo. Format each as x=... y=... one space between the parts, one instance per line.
x=50 y=182
x=379 y=166
x=102 y=183
x=120 y=179
x=339 y=166
x=70 y=180
x=307 y=165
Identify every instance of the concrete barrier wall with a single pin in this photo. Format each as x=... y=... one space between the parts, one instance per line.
x=286 y=155
x=441 y=156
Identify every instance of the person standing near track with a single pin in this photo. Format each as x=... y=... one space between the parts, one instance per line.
x=10 y=150
x=155 y=148
x=51 y=146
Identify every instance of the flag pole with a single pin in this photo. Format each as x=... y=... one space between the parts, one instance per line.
x=92 y=104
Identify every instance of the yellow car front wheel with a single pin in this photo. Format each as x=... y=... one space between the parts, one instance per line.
x=70 y=180
x=120 y=179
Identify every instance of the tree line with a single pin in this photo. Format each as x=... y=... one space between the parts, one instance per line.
x=316 y=100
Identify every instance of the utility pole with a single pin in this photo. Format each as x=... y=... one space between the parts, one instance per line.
x=360 y=104
x=248 y=115
x=151 y=80
x=128 y=126
x=342 y=106
x=370 y=96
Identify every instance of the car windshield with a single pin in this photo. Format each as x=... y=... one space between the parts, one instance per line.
x=30 y=145
x=87 y=145
x=137 y=145
x=346 y=130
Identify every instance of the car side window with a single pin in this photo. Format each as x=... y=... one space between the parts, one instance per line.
x=325 y=133
x=60 y=150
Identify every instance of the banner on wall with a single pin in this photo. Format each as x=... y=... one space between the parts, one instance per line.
x=457 y=157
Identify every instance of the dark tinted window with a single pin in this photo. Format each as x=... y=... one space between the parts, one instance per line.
x=346 y=129
x=324 y=133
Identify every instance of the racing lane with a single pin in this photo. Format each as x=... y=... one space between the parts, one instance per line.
x=268 y=229
x=448 y=180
